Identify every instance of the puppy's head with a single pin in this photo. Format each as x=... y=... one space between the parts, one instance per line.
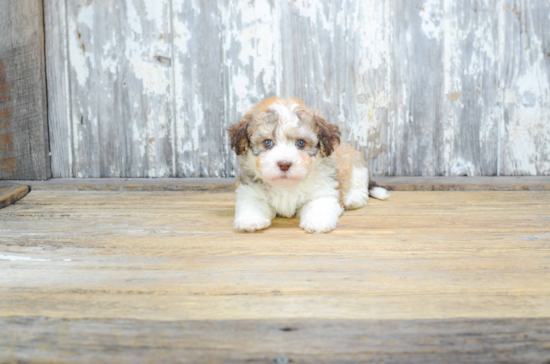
x=281 y=140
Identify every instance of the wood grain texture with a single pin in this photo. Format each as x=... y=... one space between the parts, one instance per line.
x=199 y=91
x=146 y=96
x=174 y=256
x=59 y=94
x=197 y=48
x=471 y=96
x=84 y=78
x=416 y=132
x=42 y=339
x=24 y=146
x=421 y=88
x=423 y=276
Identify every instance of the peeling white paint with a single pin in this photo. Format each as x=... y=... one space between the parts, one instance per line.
x=155 y=80
x=154 y=12
x=182 y=36
x=348 y=63
x=134 y=18
x=528 y=129
x=367 y=114
x=240 y=86
x=461 y=167
x=430 y=13
x=313 y=11
x=251 y=45
x=526 y=124
x=81 y=56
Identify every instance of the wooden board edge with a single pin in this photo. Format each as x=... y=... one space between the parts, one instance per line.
x=229 y=184
x=39 y=339
x=465 y=187
x=136 y=187
x=11 y=194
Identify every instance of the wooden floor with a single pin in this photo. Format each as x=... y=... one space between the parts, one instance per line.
x=129 y=277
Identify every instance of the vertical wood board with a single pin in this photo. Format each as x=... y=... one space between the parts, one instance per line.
x=120 y=55
x=524 y=50
x=24 y=146
x=59 y=94
x=471 y=95
x=416 y=130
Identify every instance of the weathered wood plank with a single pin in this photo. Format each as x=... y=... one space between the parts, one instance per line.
x=11 y=193
x=415 y=256
x=422 y=88
x=199 y=88
x=59 y=94
x=525 y=82
x=105 y=98
x=416 y=133
x=40 y=339
x=24 y=146
x=120 y=72
x=469 y=146
x=431 y=277
x=84 y=80
x=146 y=93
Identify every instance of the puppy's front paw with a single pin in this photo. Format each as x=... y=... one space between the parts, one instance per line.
x=318 y=223
x=355 y=200
x=251 y=223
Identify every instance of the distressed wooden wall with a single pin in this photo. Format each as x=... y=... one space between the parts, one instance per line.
x=24 y=146
x=143 y=88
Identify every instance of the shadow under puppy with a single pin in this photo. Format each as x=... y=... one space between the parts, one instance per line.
x=293 y=163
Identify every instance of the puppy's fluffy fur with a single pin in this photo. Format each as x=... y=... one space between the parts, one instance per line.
x=303 y=169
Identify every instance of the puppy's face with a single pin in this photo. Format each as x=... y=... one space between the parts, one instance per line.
x=280 y=141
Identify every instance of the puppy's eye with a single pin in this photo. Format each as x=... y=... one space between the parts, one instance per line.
x=268 y=143
x=301 y=143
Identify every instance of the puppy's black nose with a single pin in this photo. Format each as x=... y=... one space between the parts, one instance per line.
x=284 y=165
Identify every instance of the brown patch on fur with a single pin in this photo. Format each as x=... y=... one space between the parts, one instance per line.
x=347 y=157
x=238 y=134
x=328 y=134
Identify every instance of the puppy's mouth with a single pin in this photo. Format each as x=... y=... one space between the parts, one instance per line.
x=285 y=179
x=286 y=175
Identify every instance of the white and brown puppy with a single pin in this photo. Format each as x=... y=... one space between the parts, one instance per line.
x=293 y=163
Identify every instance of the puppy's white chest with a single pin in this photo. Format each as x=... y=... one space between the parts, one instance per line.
x=287 y=202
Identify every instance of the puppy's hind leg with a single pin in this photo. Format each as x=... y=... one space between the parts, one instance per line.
x=358 y=194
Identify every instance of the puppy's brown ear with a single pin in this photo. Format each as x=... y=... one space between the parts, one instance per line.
x=238 y=134
x=328 y=134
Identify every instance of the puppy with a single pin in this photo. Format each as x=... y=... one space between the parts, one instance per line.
x=292 y=163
